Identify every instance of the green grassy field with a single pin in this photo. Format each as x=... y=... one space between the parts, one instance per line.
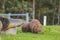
x=49 y=33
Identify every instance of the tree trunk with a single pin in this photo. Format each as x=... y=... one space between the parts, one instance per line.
x=33 y=9
x=3 y=6
x=59 y=12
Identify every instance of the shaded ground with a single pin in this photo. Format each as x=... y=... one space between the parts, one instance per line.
x=49 y=33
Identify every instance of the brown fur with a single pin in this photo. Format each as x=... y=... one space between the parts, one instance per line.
x=35 y=26
x=25 y=27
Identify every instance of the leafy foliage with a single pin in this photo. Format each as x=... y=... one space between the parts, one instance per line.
x=42 y=7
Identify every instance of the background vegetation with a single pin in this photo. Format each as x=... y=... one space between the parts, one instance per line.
x=50 y=8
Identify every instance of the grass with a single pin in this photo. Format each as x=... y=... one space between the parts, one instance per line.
x=49 y=33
